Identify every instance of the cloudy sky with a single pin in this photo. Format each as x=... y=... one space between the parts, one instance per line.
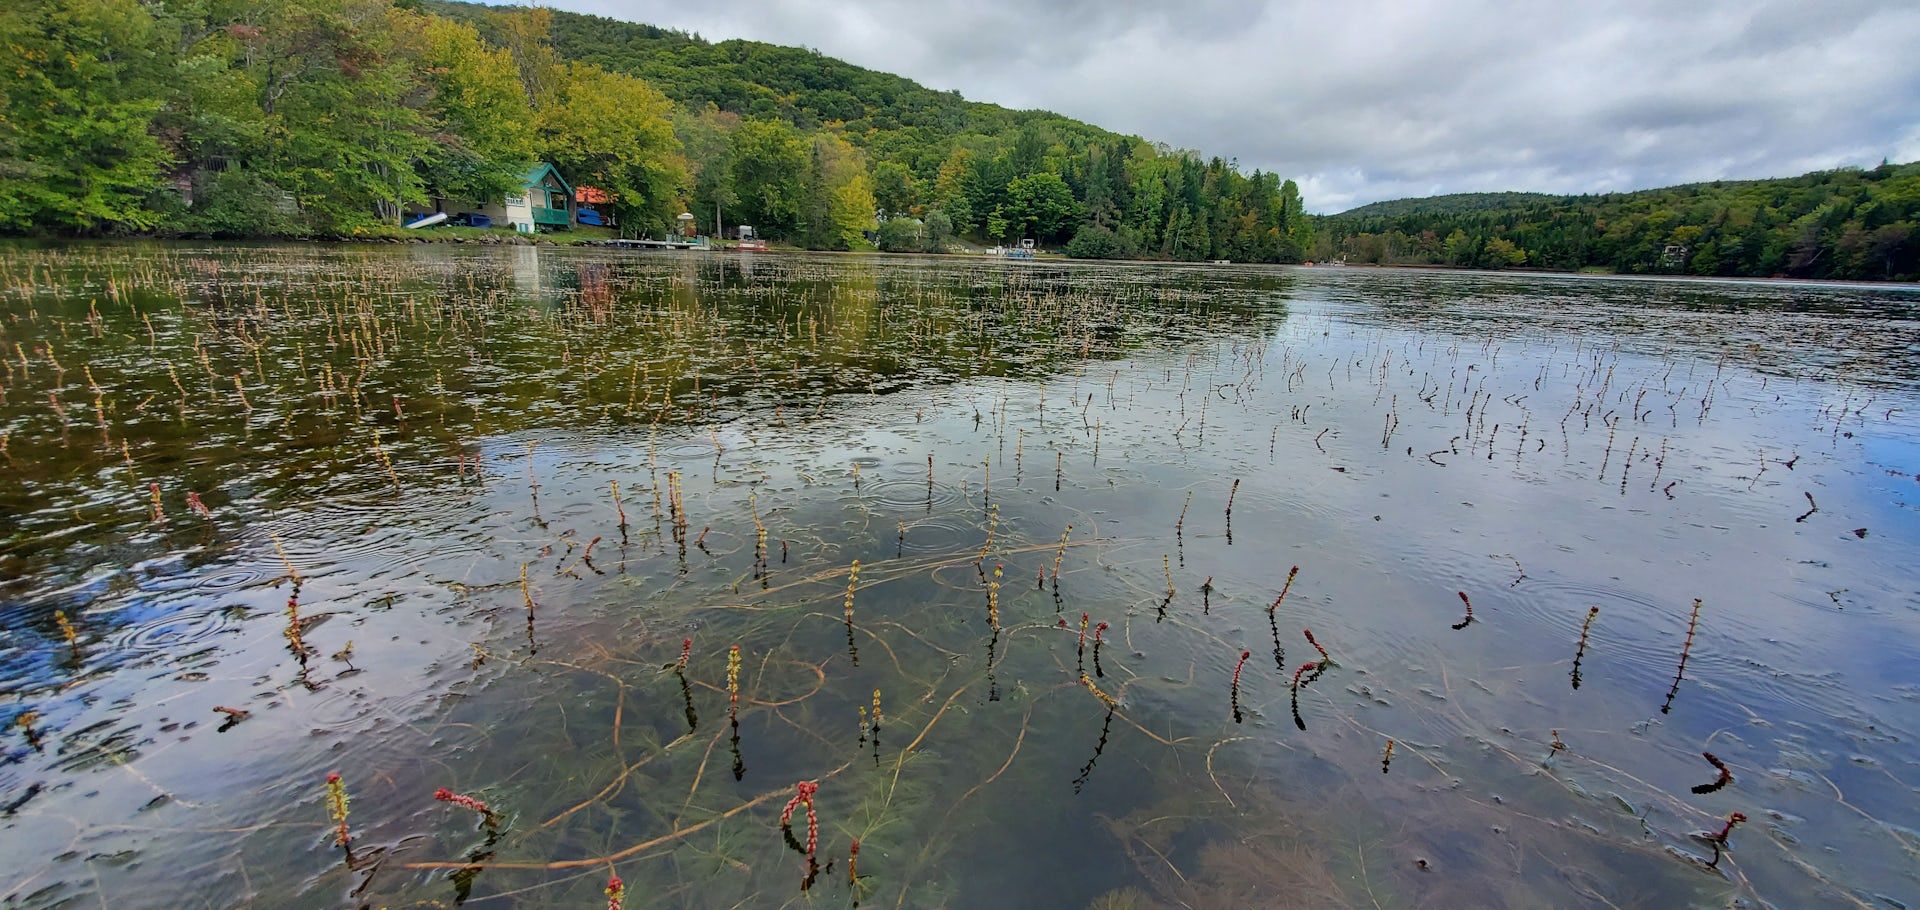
x=1367 y=100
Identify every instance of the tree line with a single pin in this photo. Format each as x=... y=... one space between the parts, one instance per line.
x=1851 y=223
x=260 y=118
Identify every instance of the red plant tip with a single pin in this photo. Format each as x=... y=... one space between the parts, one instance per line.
x=1726 y=830
x=803 y=792
x=1099 y=629
x=1063 y=622
x=333 y=777
x=1316 y=645
x=855 y=849
x=616 y=892
x=1238 y=667
x=1297 y=671
x=466 y=802
x=1464 y=600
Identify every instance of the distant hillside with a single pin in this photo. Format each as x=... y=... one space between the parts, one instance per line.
x=1850 y=223
x=995 y=173
x=1450 y=204
x=348 y=118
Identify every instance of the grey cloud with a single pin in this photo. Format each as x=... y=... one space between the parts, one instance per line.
x=1371 y=99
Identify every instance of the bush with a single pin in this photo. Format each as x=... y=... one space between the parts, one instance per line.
x=939 y=229
x=238 y=203
x=1095 y=242
x=902 y=235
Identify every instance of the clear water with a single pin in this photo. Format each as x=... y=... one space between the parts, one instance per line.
x=413 y=425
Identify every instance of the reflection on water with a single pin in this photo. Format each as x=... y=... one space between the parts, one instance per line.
x=496 y=521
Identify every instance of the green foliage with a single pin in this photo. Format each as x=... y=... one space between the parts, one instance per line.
x=1040 y=205
x=768 y=165
x=1843 y=224
x=939 y=230
x=902 y=235
x=991 y=171
x=615 y=132
x=1093 y=241
x=78 y=91
x=329 y=117
x=487 y=137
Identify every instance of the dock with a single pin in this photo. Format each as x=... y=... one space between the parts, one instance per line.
x=660 y=244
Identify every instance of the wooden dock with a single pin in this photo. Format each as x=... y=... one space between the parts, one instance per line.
x=658 y=244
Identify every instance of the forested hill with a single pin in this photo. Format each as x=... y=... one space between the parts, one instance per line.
x=238 y=118
x=1841 y=224
x=1450 y=204
x=992 y=173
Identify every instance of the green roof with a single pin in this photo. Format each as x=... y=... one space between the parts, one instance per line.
x=539 y=173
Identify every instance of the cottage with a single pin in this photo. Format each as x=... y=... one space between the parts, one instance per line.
x=544 y=201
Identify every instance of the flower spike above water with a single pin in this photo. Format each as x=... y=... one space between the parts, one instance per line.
x=337 y=808
x=467 y=802
x=1324 y=656
x=1291 y=574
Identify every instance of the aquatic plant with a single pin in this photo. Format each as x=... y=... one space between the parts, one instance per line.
x=853 y=582
x=1718 y=839
x=159 y=513
x=1686 y=650
x=526 y=593
x=1060 y=553
x=1080 y=646
x=686 y=653
x=1726 y=830
x=733 y=679
x=616 y=893
x=1097 y=630
x=1725 y=775
x=1288 y=586
x=1098 y=693
x=468 y=802
x=1235 y=697
x=337 y=809
x=993 y=599
x=295 y=642
x=1580 y=653
x=1468 y=619
x=196 y=506
x=1324 y=656
x=292 y=573
x=25 y=722
x=803 y=793
x=1296 y=686
x=1386 y=758
x=67 y=632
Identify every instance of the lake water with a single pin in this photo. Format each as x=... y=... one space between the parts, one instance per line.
x=411 y=570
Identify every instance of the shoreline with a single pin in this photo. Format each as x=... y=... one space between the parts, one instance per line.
x=502 y=238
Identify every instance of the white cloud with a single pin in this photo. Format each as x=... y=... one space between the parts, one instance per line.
x=1373 y=99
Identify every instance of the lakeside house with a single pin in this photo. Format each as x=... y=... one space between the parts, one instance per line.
x=543 y=201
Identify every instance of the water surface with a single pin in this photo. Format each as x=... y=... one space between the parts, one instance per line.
x=384 y=439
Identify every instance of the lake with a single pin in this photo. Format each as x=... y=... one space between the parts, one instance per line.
x=1067 y=585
